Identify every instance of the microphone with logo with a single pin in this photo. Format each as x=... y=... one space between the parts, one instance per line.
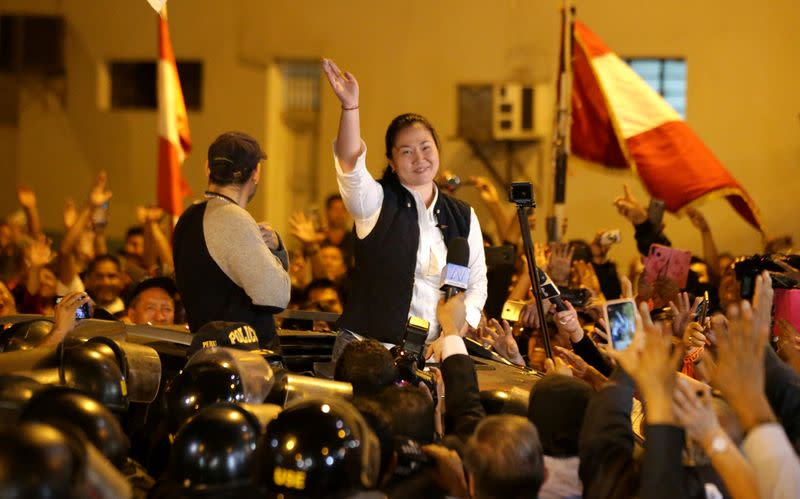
x=455 y=275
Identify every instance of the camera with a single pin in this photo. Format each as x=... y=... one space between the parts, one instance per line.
x=550 y=291
x=409 y=356
x=82 y=312
x=579 y=297
x=747 y=268
x=521 y=193
x=410 y=457
x=449 y=181
x=610 y=237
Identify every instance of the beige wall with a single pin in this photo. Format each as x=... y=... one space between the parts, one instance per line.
x=409 y=56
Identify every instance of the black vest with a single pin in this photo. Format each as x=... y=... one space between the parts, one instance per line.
x=206 y=291
x=383 y=277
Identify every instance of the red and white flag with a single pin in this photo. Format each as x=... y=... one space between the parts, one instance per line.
x=620 y=122
x=174 y=142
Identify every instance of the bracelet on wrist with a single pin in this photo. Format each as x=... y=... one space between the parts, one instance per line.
x=350 y=108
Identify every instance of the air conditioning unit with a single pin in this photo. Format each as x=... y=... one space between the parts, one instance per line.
x=505 y=111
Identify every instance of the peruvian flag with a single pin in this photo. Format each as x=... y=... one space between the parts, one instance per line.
x=174 y=142
x=620 y=122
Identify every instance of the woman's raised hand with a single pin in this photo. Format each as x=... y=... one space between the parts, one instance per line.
x=344 y=84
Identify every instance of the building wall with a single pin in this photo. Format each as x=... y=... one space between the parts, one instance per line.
x=409 y=56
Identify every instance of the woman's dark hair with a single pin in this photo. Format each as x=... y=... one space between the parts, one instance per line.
x=401 y=123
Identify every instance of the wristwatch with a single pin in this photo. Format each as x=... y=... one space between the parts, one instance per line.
x=718 y=445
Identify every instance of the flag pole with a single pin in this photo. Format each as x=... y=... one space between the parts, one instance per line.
x=563 y=114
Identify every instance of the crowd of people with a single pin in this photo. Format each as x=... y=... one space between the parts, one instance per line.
x=714 y=362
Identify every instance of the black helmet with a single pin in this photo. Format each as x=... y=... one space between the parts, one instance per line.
x=24 y=335
x=214 y=375
x=317 y=448
x=96 y=368
x=15 y=392
x=214 y=454
x=72 y=411
x=198 y=386
x=38 y=460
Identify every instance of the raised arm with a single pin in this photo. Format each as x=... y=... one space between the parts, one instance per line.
x=710 y=253
x=157 y=247
x=348 y=140
x=37 y=254
x=491 y=199
x=27 y=199
x=76 y=223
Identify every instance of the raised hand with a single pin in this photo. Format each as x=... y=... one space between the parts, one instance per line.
x=65 y=317
x=649 y=362
x=153 y=214
x=99 y=195
x=500 y=337
x=601 y=334
x=763 y=295
x=70 y=213
x=568 y=324
x=557 y=366
x=693 y=409
x=693 y=337
x=302 y=227
x=580 y=368
x=560 y=263
x=26 y=197
x=344 y=84
x=682 y=313
x=541 y=255
x=529 y=316
x=586 y=277
x=739 y=372
x=627 y=287
x=39 y=253
x=697 y=219
x=629 y=207
x=141 y=214
x=486 y=189
x=576 y=363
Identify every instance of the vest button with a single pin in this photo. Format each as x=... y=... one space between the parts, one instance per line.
x=408 y=205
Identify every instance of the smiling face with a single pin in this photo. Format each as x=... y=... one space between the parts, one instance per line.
x=152 y=306
x=104 y=282
x=415 y=157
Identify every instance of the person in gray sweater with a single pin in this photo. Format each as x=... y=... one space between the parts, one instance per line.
x=227 y=266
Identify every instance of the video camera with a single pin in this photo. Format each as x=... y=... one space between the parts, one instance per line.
x=409 y=356
x=747 y=268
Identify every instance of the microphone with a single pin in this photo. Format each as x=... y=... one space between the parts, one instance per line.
x=455 y=275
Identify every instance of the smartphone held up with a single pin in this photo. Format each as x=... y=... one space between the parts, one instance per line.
x=620 y=316
x=82 y=312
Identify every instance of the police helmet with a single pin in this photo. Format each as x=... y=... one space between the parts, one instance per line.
x=38 y=460
x=25 y=335
x=214 y=454
x=317 y=448
x=72 y=411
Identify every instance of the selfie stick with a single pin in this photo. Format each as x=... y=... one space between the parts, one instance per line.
x=533 y=270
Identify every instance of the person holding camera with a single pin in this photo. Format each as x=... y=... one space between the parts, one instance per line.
x=403 y=225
